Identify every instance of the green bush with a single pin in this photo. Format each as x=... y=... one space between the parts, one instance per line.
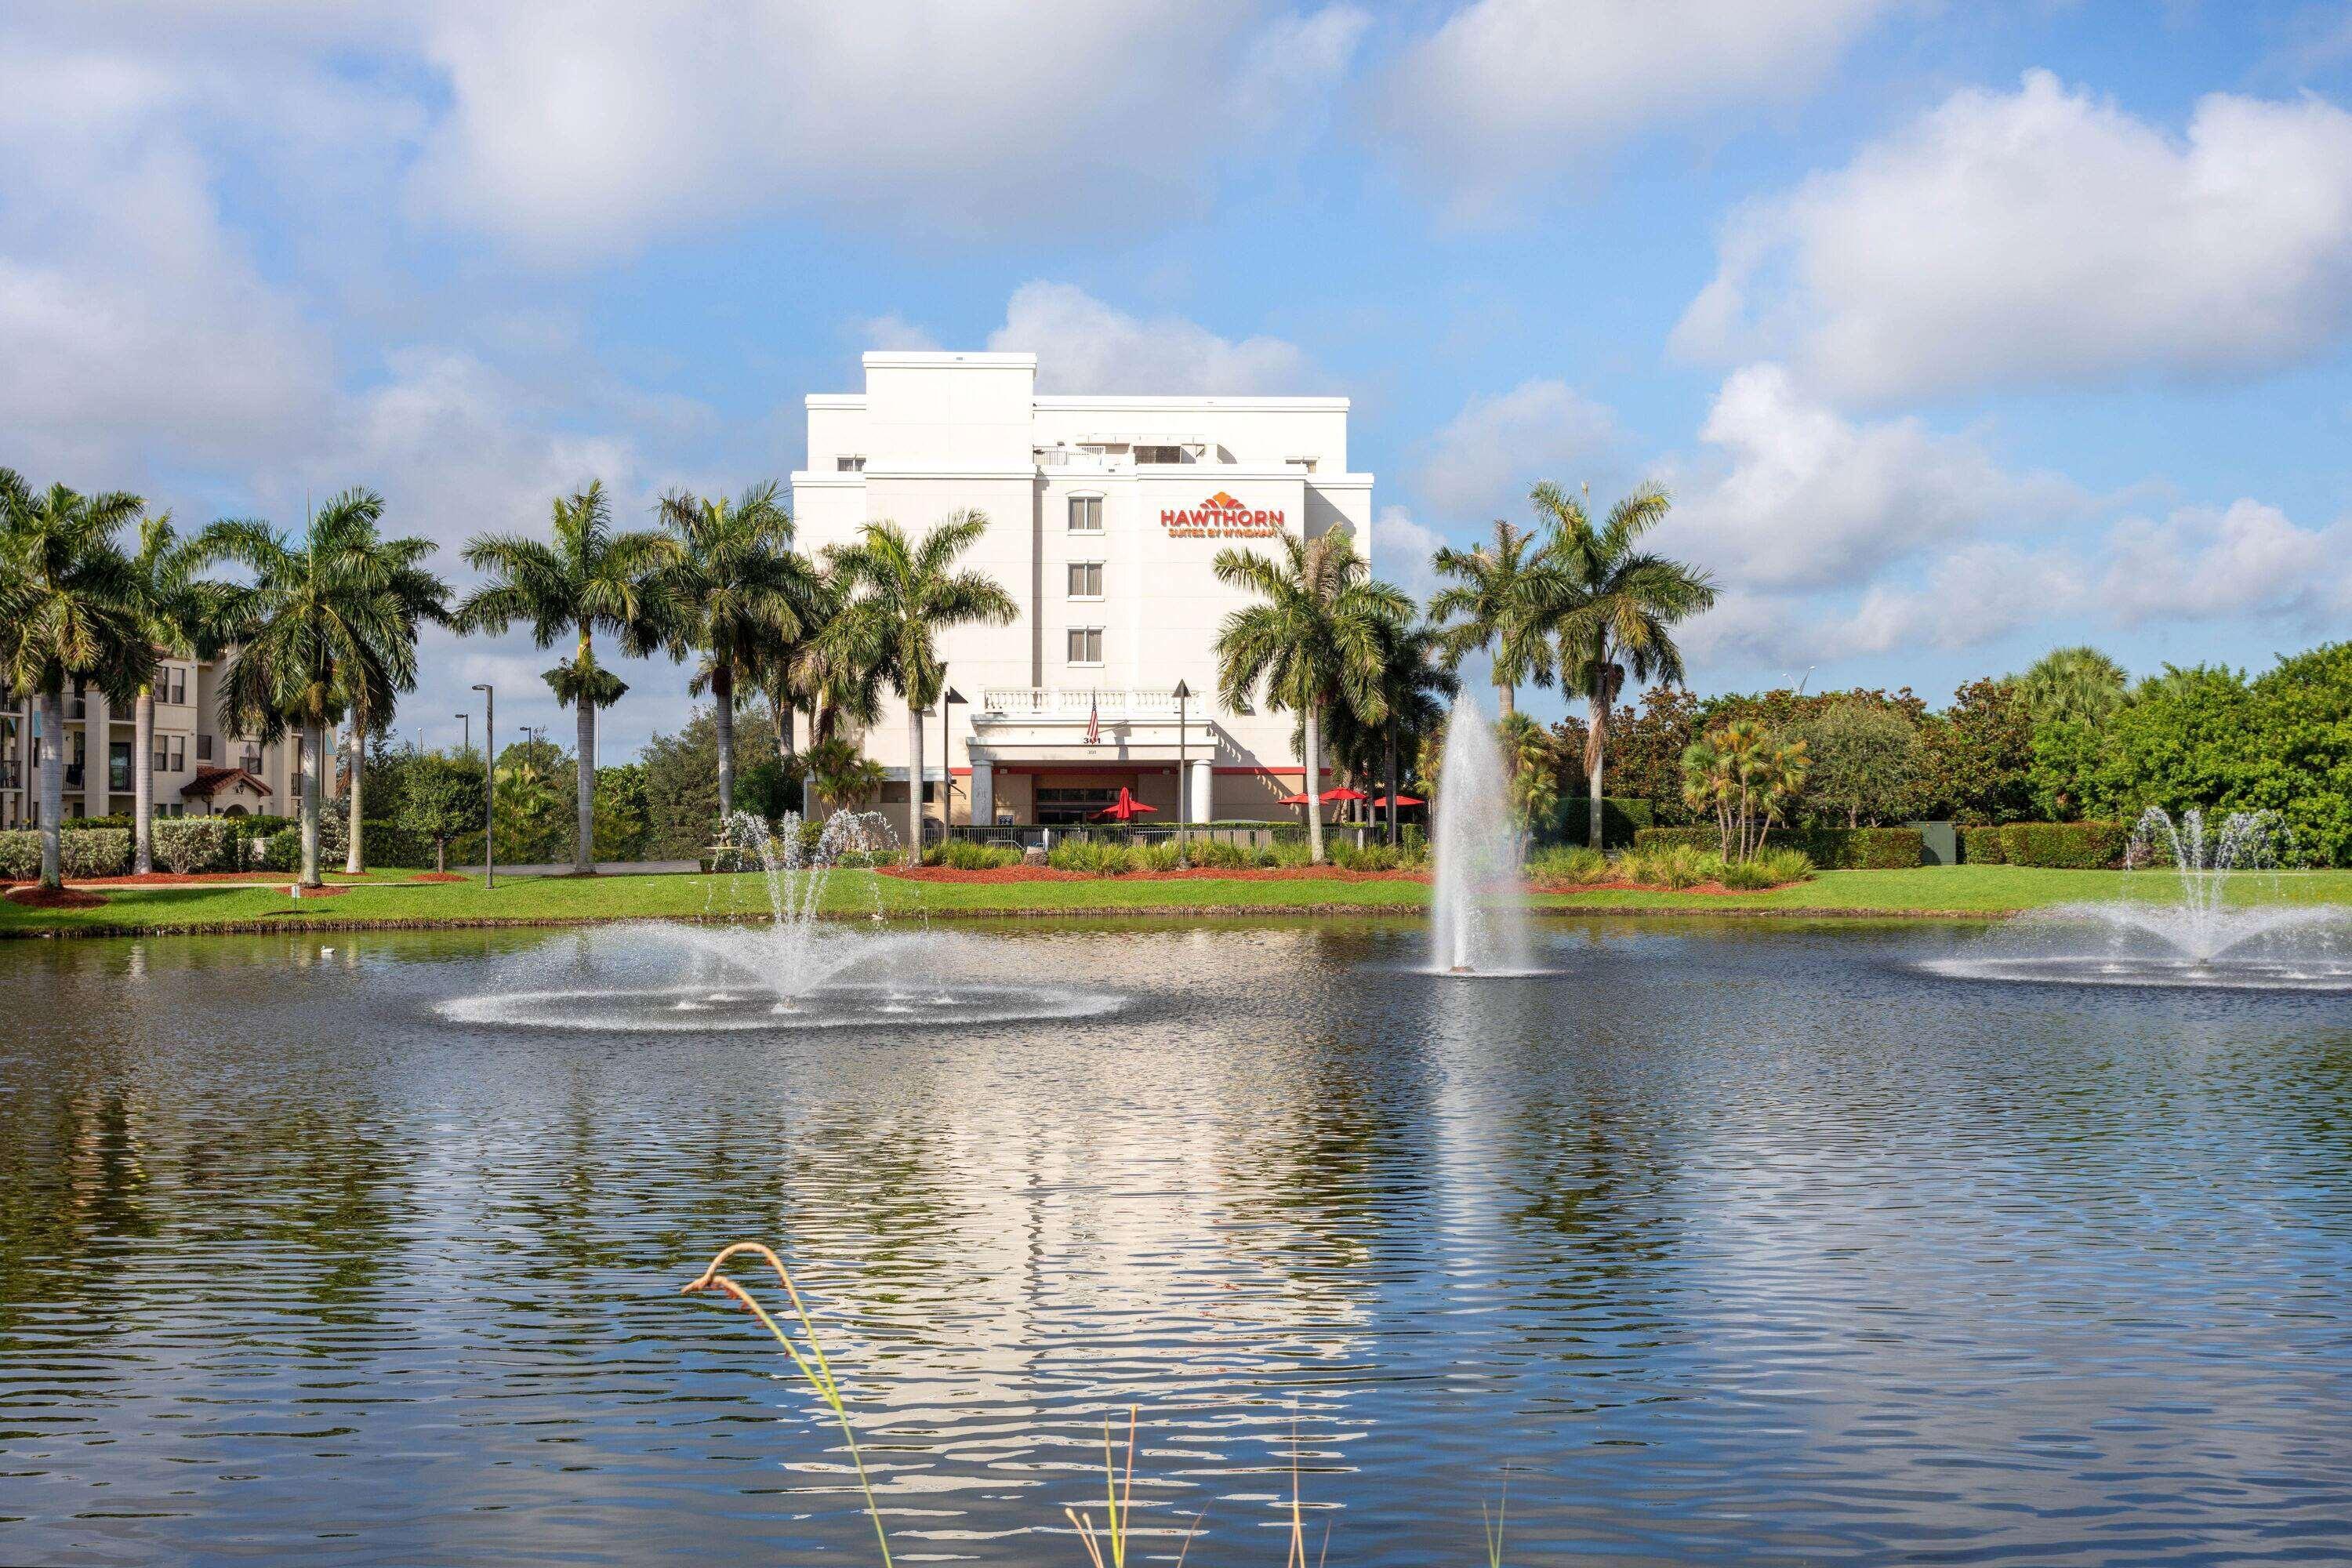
x=2077 y=846
x=94 y=851
x=1289 y=854
x=1621 y=820
x=1570 y=863
x=1674 y=865
x=191 y=844
x=1980 y=845
x=20 y=856
x=1159 y=857
x=1772 y=868
x=1371 y=858
x=1095 y=859
x=970 y=855
x=1835 y=848
x=1220 y=856
x=389 y=843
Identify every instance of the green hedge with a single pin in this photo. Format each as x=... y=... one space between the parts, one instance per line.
x=1831 y=848
x=2076 y=846
x=1980 y=845
x=81 y=852
x=390 y=845
x=1621 y=820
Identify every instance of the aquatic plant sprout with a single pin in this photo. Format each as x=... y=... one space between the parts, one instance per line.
x=814 y=1370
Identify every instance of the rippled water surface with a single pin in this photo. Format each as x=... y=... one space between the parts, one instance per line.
x=1746 y=1245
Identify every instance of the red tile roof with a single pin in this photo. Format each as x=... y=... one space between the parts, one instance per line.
x=210 y=782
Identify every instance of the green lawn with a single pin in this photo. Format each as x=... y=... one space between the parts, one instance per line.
x=1956 y=890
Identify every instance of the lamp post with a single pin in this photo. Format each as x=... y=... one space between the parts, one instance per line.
x=948 y=700
x=1184 y=837
x=466 y=735
x=489 y=783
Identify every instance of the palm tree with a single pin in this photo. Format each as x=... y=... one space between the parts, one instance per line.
x=905 y=593
x=1498 y=605
x=418 y=597
x=1415 y=686
x=327 y=629
x=1316 y=641
x=824 y=674
x=67 y=613
x=2072 y=683
x=177 y=610
x=736 y=593
x=1612 y=608
x=589 y=580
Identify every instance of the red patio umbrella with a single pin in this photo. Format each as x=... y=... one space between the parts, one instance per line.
x=1382 y=803
x=1299 y=799
x=1125 y=806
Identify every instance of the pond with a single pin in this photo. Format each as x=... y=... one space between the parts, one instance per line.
x=1717 y=1243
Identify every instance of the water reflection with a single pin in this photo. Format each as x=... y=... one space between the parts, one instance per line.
x=1730 y=1246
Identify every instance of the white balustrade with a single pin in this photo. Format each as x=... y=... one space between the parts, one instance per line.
x=1077 y=702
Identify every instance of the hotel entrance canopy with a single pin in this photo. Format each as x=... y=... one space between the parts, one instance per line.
x=1040 y=724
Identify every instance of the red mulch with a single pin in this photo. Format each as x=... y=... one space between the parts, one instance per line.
x=1190 y=874
x=33 y=896
x=437 y=877
x=171 y=879
x=297 y=890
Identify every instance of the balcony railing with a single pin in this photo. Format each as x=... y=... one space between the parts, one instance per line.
x=1076 y=702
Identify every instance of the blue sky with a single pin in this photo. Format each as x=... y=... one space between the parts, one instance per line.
x=1958 y=330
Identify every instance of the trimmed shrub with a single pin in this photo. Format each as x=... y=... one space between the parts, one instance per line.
x=1832 y=849
x=20 y=855
x=1621 y=820
x=1980 y=845
x=94 y=851
x=388 y=844
x=2074 y=846
x=1570 y=863
x=189 y=844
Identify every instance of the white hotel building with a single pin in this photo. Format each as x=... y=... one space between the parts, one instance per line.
x=1104 y=513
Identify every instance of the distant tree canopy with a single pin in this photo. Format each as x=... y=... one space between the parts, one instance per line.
x=681 y=779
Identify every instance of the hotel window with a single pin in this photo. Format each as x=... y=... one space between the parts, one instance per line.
x=251 y=761
x=204 y=747
x=117 y=764
x=1085 y=514
x=179 y=753
x=1086 y=645
x=179 y=687
x=849 y=465
x=1086 y=580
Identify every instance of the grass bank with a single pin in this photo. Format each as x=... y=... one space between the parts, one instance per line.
x=1956 y=892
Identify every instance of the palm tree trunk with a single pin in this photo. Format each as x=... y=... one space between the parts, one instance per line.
x=1392 y=788
x=143 y=781
x=914 y=783
x=1506 y=699
x=355 y=857
x=1596 y=752
x=53 y=786
x=314 y=741
x=722 y=701
x=1313 y=788
x=583 y=826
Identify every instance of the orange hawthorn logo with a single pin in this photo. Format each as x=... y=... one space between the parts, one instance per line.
x=1221 y=516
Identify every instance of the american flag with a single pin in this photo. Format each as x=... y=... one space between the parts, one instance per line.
x=1094 y=722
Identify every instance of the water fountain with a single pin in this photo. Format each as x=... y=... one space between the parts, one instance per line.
x=2183 y=919
x=1478 y=925
x=799 y=968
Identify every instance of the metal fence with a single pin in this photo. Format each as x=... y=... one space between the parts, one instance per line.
x=1244 y=834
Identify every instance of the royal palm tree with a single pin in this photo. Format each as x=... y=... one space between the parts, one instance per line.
x=590 y=580
x=1496 y=604
x=736 y=594
x=1612 y=607
x=904 y=592
x=1316 y=640
x=1415 y=688
x=825 y=674
x=2072 y=683
x=177 y=608
x=326 y=630
x=67 y=616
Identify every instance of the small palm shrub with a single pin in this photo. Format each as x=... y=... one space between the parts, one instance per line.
x=1289 y=854
x=1772 y=868
x=1570 y=863
x=967 y=855
x=1673 y=866
x=1371 y=858
x=1153 y=856
x=1094 y=860
x=1222 y=856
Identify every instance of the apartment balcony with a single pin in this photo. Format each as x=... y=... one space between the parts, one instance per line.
x=1077 y=702
x=12 y=776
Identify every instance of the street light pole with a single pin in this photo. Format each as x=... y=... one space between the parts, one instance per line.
x=466 y=735
x=949 y=697
x=489 y=784
x=1183 y=773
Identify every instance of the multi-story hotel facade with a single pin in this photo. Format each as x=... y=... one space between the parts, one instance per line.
x=1104 y=515
x=200 y=771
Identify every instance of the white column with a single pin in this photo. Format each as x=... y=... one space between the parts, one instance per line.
x=98 y=736
x=984 y=792
x=1203 y=800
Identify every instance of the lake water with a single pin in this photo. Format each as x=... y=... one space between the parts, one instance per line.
x=1744 y=1245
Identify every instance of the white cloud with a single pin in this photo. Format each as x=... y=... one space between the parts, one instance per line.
x=1084 y=345
x=2247 y=560
x=1509 y=92
x=1974 y=595
x=1482 y=462
x=2044 y=237
x=1796 y=495
x=596 y=126
x=1401 y=548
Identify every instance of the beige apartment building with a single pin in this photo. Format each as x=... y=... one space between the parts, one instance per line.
x=1104 y=514
x=199 y=771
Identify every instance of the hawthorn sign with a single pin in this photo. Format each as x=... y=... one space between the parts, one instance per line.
x=1220 y=517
